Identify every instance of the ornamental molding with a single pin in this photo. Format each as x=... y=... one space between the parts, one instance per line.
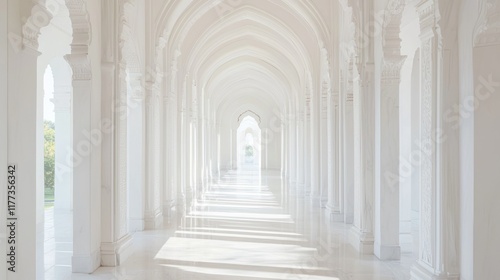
x=349 y=98
x=128 y=43
x=427 y=167
x=391 y=69
x=429 y=16
x=392 y=27
x=82 y=30
x=39 y=18
x=81 y=66
x=487 y=30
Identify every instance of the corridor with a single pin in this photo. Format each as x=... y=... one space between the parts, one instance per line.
x=248 y=226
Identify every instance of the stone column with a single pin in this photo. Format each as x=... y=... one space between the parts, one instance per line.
x=314 y=147
x=340 y=145
x=364 y=127
x=387 y=177
x=286 y=153
x=169 y=136
x=348 y=151
x=136 y=164
x=115 y=239
x=300 y=150
x=86 y=254
x=181 y=151
x=292 y=148
x=24 y=150
x=153 y=217
x=333 y=205
x=324 y=146
x=438 y=256
x=63 y=177
x=307 y=145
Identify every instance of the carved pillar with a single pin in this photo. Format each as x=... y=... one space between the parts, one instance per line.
x=285 y=152
x=172 y=132
x=364 y=128
x=361 y=234
x=314 y=136
x=348 y=151
x=333 y=204
x=438 y=254
x=182 y=163
x=115 y=240
x=387 y=143
x=300 y=150
x=136 y=137
x=324 y=144
x=25 y=150
x=167 y=168
x=153 y=217
x=86 y=255
x=307 y=146
x=291 y=148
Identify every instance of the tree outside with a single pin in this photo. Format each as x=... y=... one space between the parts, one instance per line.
x=49 y=133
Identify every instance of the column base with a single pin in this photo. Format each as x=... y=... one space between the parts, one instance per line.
x=315 y=199
x=86 y=263
x=362 y=242
x=136 y=225
x=421 y=271
x=335 y=215
x=167 y=209
x=153 y=222
x=349 y=218
x=115 y=254
x=385 y=252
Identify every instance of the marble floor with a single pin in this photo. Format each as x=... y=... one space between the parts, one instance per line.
x=247 y=226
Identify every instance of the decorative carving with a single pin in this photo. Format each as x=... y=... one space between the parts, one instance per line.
x=391 y=70
x=427 y=164
x=82 y=32
x=487 y=31
x=39 y=18
x=392 y=27
x=80 y=64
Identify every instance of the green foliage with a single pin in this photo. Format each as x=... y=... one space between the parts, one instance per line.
x=49 y=133
x=249 y=151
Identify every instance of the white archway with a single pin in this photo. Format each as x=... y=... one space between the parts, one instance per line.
x=249 y=147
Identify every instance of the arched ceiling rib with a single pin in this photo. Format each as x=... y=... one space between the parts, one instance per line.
x=260 y=48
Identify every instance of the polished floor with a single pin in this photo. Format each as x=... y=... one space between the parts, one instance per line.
x=248 y=226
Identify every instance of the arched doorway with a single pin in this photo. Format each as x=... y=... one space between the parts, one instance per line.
x=249 y=144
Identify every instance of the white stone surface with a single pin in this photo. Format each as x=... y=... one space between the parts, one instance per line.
x=241 y=230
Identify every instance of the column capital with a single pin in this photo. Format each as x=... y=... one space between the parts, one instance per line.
x=428 y=13
x=391 y=69
x=80 y=64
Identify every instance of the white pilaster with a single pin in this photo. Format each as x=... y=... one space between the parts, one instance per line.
x=63 y=176
x=86 y=138
x=361 y=235
x=315 y=147
x=387 y=159
x=439 y=211
x=348 y=157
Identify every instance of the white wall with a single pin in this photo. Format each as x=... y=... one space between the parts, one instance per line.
x=486 y=162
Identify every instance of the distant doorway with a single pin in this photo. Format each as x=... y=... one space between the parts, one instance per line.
x=249 y=144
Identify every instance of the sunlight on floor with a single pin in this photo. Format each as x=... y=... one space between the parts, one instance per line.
x=246 y=228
